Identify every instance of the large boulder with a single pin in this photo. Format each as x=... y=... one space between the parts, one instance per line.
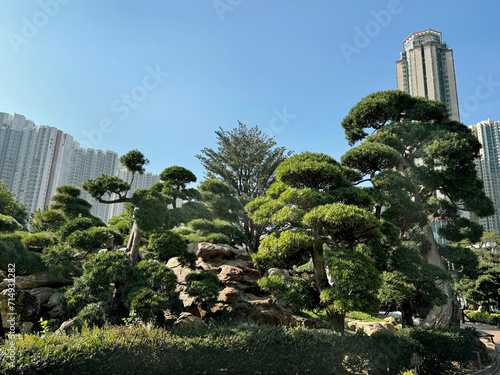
x=42 y=279
x=371 y=328
x=43 y=294
x=23 y=307
x=239 y=296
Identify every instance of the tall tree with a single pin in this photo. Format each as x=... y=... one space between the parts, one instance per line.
x=420 y=163
x=245 y=160
x=313 y=213
x=150 y=206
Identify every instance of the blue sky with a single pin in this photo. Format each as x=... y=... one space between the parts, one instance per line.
x=162 y=76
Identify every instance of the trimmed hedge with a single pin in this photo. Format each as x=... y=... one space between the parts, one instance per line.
x=236 y=349
x=480 y=317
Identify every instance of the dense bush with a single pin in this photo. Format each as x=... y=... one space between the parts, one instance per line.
x=236 y=349
x=12 y=250
x=167 y=245
x=39 y=241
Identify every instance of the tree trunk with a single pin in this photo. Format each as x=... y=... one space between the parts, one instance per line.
x=439 y=316
x=337 y=319
x=134 y=242
x=407 y=315
x=319 y=267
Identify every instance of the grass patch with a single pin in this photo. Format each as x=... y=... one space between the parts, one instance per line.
x=358 y=315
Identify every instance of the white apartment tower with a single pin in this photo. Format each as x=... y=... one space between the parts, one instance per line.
x=29 y=157
x=488 y=168
x=35 y=160
x=426 y=69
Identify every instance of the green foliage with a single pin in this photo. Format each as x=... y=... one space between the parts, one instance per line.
x=134 y=161
x=47 y=220
x=213 y=228
x=178 y=177
x=9 y=224
x=10 y=207
x=284 y=249
x=219 y=198
x=204 y=286
x=365 y=317
x=461 y=257
x=153 y=209
x=95 y=285
x=295 y=291
x=12 y=250
x=89 y=240
x=166 y=245
x=245 y=160
x=106 y=185
x=311 y=170
x=39 y=241
x=109 y=290
x=371 y=157
x=78 y=223
x=480 y=317
x=484 y=290
x=237 y=349
x=61 y=258
x=347 y=225
x=355 y=282
x=443 y=351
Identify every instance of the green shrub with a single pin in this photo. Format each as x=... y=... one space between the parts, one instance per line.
x=166 y=245
x=12 y=250
x=480 y=317
x=204 y=287
x=234 y=349
x=39 y=241
x=293 y=290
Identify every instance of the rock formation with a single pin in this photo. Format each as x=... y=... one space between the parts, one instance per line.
x=240 y=297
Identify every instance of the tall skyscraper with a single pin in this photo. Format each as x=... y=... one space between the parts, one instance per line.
x=488 y=168
x=426 y=69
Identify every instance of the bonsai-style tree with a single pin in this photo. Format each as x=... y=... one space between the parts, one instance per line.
x=314 y=212
x=420 y=165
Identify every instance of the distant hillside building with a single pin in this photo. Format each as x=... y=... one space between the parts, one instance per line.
x=427 y=69
x=488 y=168
x=35 y=160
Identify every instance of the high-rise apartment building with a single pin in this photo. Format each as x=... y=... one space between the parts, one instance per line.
x=29 y=157
x=35 y=160
x=426 y=69
x=488 y=168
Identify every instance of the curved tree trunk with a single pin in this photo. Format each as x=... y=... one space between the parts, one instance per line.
x=134 y=242
x=440 y=316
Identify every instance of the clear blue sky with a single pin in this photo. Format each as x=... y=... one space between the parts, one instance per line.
x=162 y=76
